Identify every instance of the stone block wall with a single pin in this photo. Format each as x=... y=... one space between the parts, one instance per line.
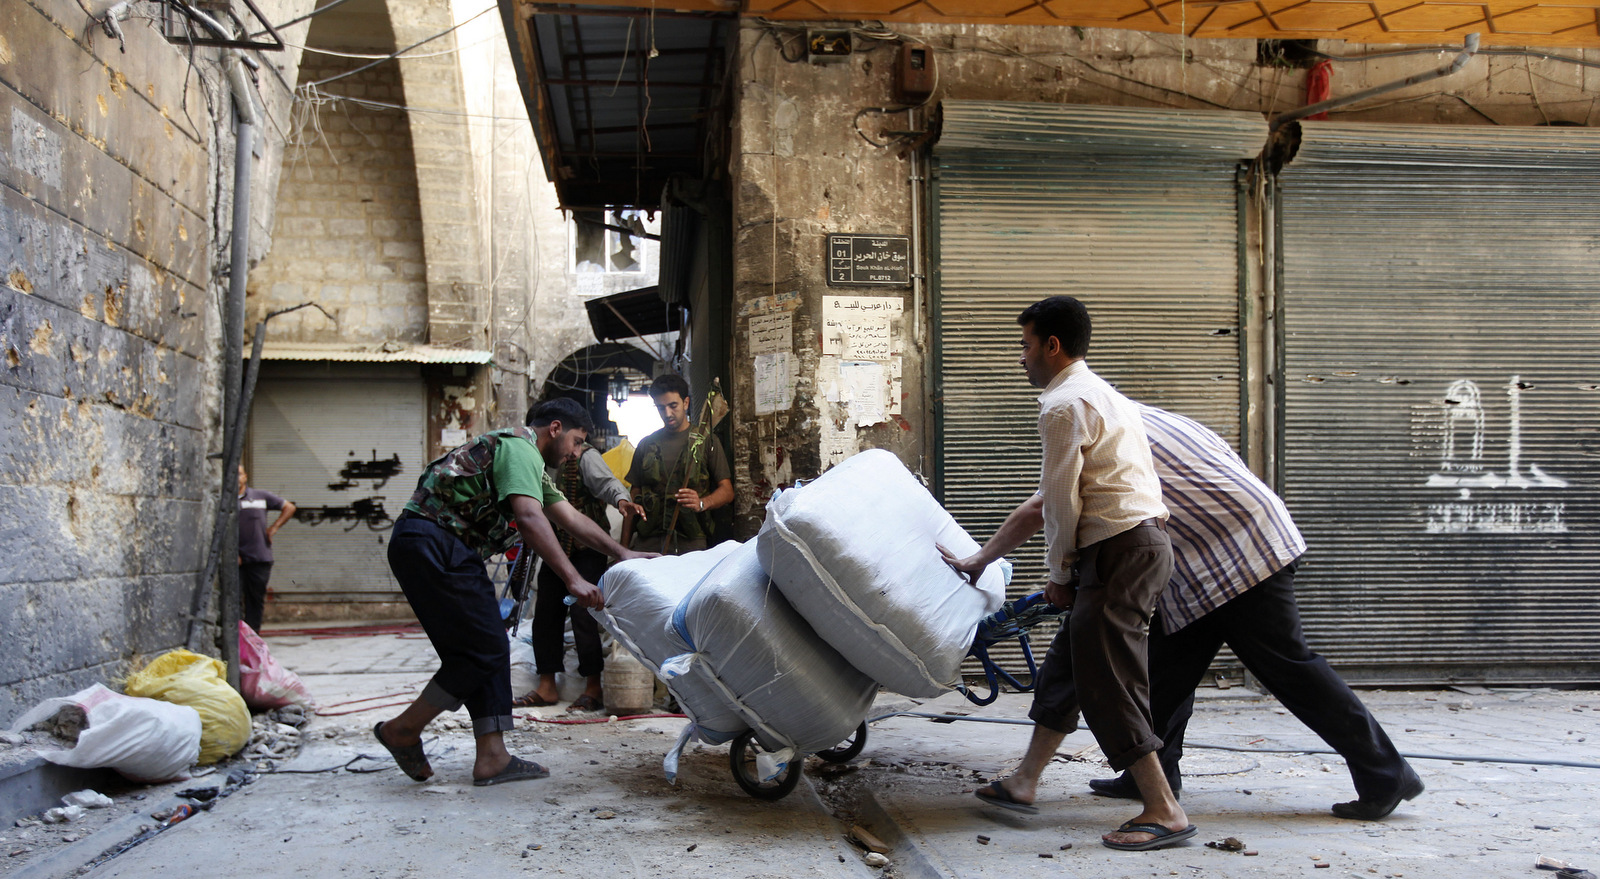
x=108 y=347
x=347 y=232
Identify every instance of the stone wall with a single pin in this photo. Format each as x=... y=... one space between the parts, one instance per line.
x=348 y=228
x=801 y=170
x=115 y=167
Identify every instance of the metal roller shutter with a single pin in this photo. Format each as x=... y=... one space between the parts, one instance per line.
x=1441 y=398
x=1135 y=212
x=303 y=432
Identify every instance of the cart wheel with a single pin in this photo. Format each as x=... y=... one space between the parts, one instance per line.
x=742 y=760
x=846 y=750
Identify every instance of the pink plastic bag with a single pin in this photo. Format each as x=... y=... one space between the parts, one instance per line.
x=263 y=682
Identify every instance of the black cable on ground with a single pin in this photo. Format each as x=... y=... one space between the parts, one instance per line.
x=1458 y=758
x=345 y=766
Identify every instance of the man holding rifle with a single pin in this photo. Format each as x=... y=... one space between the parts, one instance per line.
x=679 y=475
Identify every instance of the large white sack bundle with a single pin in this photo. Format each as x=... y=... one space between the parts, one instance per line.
x=855 y=553
x=641 y=597
x=740 y=637
x=144 y=739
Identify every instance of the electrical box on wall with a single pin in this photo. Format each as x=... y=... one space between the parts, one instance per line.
x=914 y=77
x=828 y=46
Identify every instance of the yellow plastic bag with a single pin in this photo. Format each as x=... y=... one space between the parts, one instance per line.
x=620 y=459
x=200 y=682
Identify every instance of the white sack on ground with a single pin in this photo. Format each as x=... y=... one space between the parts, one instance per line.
x=854 y=552
x=641 y=596
x=144 y=739
x=744 y=640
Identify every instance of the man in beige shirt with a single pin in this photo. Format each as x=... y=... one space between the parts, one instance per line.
x=1099 y=503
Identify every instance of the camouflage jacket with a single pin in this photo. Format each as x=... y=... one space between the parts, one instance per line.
x=659 y=480
x=478 y=520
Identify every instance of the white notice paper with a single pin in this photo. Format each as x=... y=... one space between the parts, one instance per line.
x=864 y=382
x=776 y=375
x=772 y=333
x=861 y=327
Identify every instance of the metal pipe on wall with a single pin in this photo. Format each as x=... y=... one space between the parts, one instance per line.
x=225 y=533
x=233 y=374
x=1469 y=48
x=917 y=273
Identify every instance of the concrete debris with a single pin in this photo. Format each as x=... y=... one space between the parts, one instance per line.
x=89 y=799
x=873 y=859
x=63 y=814
x=272 y=739
x=65 y=724
x=292 y=715
x=12 y=738
x=1231 y=844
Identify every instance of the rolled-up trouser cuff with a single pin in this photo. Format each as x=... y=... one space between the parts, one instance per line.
x=435 y=695
x=1055 y=693
x=1062 y=722
x=1149 y=745
x=482 y=726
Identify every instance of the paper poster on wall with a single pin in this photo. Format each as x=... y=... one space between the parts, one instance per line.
x=896 y=391
x=776 y=376
x=862 y=390
x=861 y=327
x=771 y=333
x=862 y=383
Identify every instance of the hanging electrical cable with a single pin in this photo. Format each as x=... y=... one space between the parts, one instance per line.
x=397 y=54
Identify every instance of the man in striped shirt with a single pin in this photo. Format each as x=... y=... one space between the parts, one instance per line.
x=1235 y=551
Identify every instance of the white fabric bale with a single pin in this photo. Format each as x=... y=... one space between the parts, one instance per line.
x=856 y=553
x=746 y=641
x=641 y=596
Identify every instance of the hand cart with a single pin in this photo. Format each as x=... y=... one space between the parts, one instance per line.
x=1012 y=620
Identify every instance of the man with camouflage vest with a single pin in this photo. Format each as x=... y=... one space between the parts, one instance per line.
x=473 y=503
x=679 y=475
x=589 y=485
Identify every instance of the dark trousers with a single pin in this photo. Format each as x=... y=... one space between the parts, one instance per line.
x=550 y=616
x=253 y=577
x=454 y=599
x=1098 y=660
x=1262 y=627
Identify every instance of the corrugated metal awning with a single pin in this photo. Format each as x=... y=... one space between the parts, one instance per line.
x=633 y=313
x=383 y=353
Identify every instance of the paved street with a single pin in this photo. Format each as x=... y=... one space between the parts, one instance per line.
x=606 y=810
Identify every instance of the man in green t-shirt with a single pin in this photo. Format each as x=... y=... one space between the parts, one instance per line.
x=679 y=475
x=473 y=503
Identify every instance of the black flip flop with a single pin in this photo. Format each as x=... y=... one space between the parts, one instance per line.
x=413 y=761
x=995 y=794
x=1163 y=837
x=517 y=770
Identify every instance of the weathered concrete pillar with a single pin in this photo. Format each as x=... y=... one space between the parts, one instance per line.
x=457 y=275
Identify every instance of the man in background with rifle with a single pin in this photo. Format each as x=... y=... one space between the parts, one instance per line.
x=679 y=475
